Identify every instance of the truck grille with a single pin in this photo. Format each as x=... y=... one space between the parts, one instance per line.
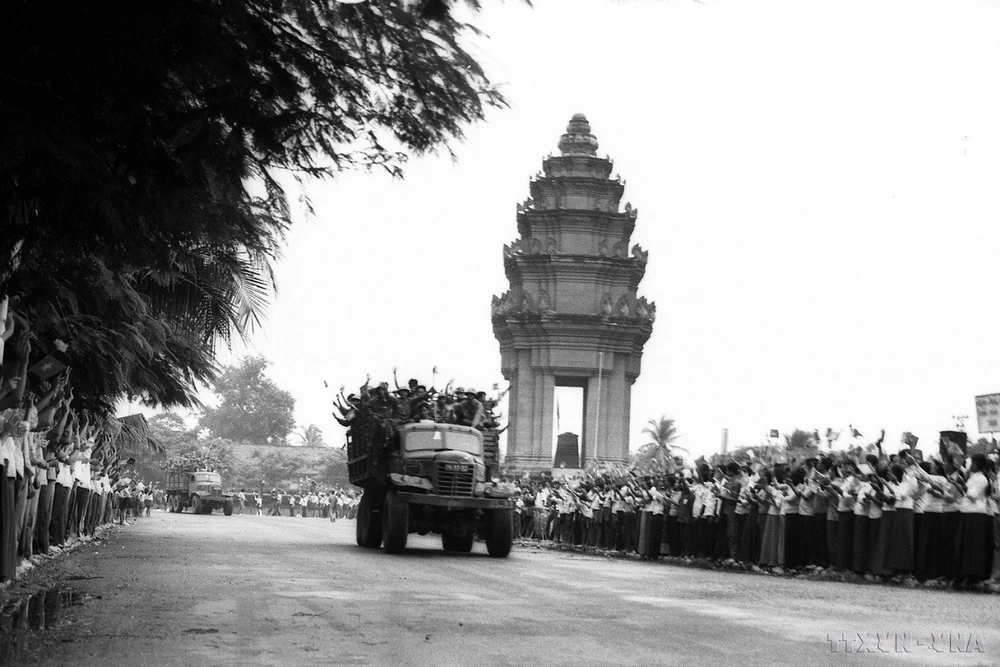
x=454 y=479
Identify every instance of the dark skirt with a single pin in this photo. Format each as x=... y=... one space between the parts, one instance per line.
x=693 y=541
x=900 y=557
x=832 y=534
x=654 y=534
x=862 y=548
x=8 y=540
x=769 y=541
x=750 y=537
x=794 y=524
x=845 y=541
x=880 y=553
x=642 y=548
x=975 y=560
x=876 y=549
x=815 y=545
x=670 y=535
x=710 y=531
x=951 y=532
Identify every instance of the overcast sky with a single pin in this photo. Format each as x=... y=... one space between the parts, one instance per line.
x=816 y=185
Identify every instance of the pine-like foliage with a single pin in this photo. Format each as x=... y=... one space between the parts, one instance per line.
x=140 y=209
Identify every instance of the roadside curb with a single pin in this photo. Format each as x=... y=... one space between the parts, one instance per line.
x=39 y=561
x=984 y=588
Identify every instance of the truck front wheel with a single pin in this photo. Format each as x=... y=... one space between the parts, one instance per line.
x=227 y=509
x=195 y=505
x=395 y=524
x=501 y=536
x=368 y=525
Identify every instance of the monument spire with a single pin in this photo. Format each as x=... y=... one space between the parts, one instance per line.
x=572 y=316
x=578 y=139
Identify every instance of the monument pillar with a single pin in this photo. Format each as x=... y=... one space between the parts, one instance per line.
x=572 y=315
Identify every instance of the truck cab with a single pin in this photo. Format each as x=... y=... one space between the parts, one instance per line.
x=443 y=459
x=204 y=483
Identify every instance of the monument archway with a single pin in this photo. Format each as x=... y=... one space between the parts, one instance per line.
x=572 y=315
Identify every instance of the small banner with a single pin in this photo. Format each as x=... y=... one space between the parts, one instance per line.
x=988 y=413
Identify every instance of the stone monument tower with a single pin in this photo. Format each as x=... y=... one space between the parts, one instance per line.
x=572 y=317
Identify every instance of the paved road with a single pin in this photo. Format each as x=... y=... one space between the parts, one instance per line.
x=242 y=590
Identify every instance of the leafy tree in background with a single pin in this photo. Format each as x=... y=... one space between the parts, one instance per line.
x=170 y=429
x=658 y=454
x=334 y=474
x=276 y=467
x=311 y=436
x=253 y=408
x=801 y=445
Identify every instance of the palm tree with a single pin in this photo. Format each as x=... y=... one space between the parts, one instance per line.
x=663 y=433
x=312 y=436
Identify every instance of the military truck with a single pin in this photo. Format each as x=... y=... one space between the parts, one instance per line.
x=200 y=490
x=428 y=477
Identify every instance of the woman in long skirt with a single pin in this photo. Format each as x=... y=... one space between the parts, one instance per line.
x=792 y=533
x=763 y=505
x=900 y=548
x=655 y=529
x=976 y=556
x=929 y=552
x=670 y=537
x=861 y=552
x=994 y=503
x=880 y=553
x=847 y=489
x=952 y=525
x=769 y=553
x=875 y=513
x=680 y=547
x=750 y=538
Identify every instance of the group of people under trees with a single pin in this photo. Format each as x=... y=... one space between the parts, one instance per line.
x=314 y=503
x=878 y=516
x=61 y=474
x=415 y=403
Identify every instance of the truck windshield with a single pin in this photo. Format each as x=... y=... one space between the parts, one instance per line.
x=417 y=441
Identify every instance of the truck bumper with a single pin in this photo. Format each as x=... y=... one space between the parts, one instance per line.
x=455 y=503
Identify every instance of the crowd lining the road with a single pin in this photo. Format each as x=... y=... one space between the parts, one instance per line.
x=61 y=475
x=880 y=517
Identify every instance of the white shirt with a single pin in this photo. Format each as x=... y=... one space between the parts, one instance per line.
x=656 y=503
x=699 y=499
x=906 y=492
x=789 y=502
x=847 y=486
x=7 y=453
x=863 y=499
x=974 y=501
x=65 y=475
